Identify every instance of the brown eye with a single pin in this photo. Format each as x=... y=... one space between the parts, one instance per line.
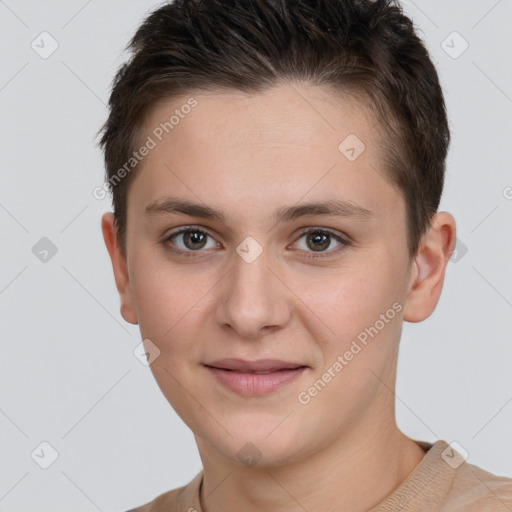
x=322 y=242
x=191 y=240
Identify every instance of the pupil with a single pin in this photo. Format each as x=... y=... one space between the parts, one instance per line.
x=320 y=241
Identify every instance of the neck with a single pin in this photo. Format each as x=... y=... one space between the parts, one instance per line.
x=354 y=472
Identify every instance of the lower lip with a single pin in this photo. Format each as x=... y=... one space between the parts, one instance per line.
x=252 y=384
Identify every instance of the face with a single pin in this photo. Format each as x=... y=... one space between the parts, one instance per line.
x=253 y=274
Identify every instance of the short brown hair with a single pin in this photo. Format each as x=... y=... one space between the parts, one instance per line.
x=360 y=47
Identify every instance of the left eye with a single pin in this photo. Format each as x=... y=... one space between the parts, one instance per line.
x=318 y=240
x=192 y=239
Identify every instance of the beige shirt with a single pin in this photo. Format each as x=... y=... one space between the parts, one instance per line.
x=442 y=482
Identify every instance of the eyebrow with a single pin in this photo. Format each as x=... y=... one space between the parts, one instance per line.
x=335 y=208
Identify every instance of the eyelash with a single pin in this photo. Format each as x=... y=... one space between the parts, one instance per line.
x=323 y=254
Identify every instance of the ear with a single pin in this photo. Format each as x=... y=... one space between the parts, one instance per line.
x=120 y=267
x=428 y=268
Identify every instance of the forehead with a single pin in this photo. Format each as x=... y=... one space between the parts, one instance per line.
x=281 y=144
x=296 y=114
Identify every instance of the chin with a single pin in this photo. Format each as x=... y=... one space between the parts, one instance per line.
x=261 y=444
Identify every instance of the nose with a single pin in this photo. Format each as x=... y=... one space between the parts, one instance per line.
x=253 y=300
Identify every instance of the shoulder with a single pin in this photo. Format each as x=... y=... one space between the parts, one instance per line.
x=445 y=482
x=474 y=489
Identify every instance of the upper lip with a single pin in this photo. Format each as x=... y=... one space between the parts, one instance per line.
x=243 y=365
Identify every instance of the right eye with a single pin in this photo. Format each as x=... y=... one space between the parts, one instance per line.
x=189 y=239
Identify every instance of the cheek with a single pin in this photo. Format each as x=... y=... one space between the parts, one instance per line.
x=348 y=300
x=364 y=313
x=163 y=298
x=359 y=343
x=168 y=306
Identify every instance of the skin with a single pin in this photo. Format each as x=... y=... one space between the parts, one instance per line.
x=249 y=155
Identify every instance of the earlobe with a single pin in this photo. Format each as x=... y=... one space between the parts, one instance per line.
x=429 y=267
x=120 y=268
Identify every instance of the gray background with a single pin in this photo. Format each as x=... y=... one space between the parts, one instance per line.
x=68 y=375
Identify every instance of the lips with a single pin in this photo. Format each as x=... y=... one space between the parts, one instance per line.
x=259 y=367
x=255 y=378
